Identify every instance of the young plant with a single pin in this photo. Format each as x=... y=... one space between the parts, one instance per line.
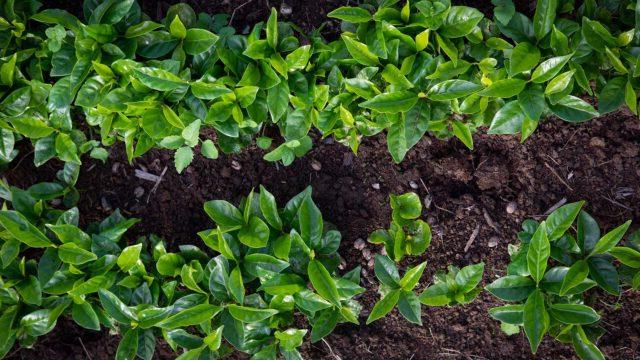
x=629 y=258
x=549 y=277
x=407 y=235
x=396 y=291
x=246 y=295
x=72 y=267
x=457 y=287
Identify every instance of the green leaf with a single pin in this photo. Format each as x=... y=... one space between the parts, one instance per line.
x=386 y=271
x=583 y=346
x=512 y=287
x=84 y=315
x=66 y=149
x=575 y=314
x=254 y=234
x=408 y=205
x=463 y=132
x=577 y=273
x=384 y=306
x=224 y=214
x=627 y=256
x=170 y=264
x=323 y=282
x=409 y=307
x=269 y=208
x=360 y=52
x=508 y=120
x=560 y=220
x=532 y=102
x=510 y=314
x=209 y=150
x=129 y=257
x=610 y=239
x=115 y=307
x=535 y=319
x=544 y=17
x=128 y=346
x=198 y=41
x=452 y=89
x=559 y=83
x=412 y=277
x=605 y=274
x=71 y=253
x=177 y=29
x=183 y=158
x=21 y=229
x=248 y=314
x=278 y=100
x=354 y=15
x=395 y=102
x=573 y=109
x=538 y=253
x=324 y=324
x=505 y=88
x=612 y=95
x=548 y=69
x=272 y=29
x=195 y=315
x=596 y=35
x=469 y=277
x=460 y=21
x=158 y=79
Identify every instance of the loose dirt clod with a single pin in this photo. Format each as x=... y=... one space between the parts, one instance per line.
x=316 y=165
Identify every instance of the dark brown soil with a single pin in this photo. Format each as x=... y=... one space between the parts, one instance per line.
x=598 y=161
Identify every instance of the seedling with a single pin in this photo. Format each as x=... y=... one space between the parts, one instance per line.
x=407 y=235
x=549 y=277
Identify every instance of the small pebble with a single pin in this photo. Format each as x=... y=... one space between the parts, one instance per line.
x=138 y=192
x=285 y=9
x=376 y=186
x=105 y=204
x=315 y=165
x=115 y=167
x=359 y=244
x=56 y=202
x=371 y=263
x=493 y=242
x=427 y=201
x=413 y=185
x=512 y=207
x=235 y=165
x=366 y=253
x=383 y=251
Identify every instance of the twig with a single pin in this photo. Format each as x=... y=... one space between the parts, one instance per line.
x=488 y=219
x=472 y=238
x=233 y=14
x=155 y=187
x=569 y=141
x=616 y=203
x=24 y=157
x=331 y=350
x=555 y=206
x=84 y=348
x=558 y=176
x=443 y=209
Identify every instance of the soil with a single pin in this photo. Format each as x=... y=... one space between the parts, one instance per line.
x=598 y=161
